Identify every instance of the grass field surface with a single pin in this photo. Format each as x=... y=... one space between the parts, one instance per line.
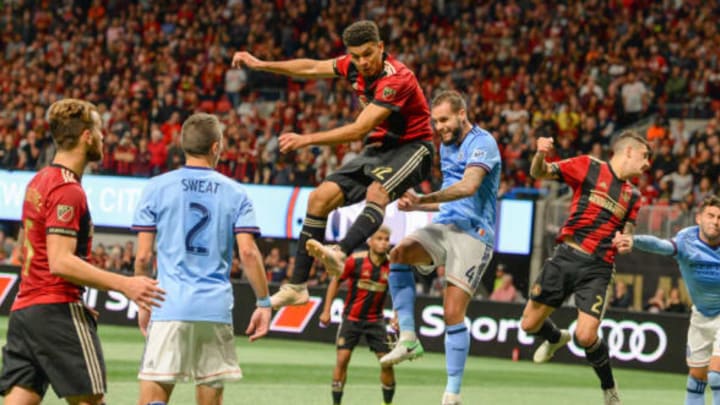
x=299 y=373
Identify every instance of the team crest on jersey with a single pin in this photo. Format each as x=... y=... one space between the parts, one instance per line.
x=461 y=156
x=65 y=213
x=625 y=195
x=388 y=93
x=603 y=185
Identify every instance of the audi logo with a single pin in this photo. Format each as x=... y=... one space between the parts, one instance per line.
x=628 y=340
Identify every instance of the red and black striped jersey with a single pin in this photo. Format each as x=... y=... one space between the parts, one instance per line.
x=55 y=203
x=367 y=288
x=601 y=205
x=395 y=88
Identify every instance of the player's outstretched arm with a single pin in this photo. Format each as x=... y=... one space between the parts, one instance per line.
x=652 y=244
x=539 y=168
x=370 y=117
x=255 y=272
x=64 y=263
x=467 y=186
x=304 y=68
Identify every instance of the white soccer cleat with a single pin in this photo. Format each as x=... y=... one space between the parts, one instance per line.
x=451 y=399
x=331 y=256
x=547 y=350
x=611 y=396
x=403 y=350
x=290 y=294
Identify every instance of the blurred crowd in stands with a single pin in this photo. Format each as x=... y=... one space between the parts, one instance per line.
x=577 y=72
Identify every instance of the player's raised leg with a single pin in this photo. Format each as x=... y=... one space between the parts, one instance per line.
x=325 y=198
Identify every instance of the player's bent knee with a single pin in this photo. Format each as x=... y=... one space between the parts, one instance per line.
x=529 y=325
x=377 y=194
x=584 y=339
x=713 y=379
x=698 y=373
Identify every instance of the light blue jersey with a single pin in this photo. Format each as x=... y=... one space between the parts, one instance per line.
x=475 y=214
x=699 y=264
x=196 y=213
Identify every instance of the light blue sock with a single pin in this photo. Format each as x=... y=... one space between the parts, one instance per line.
x=402 y=289
x=714 y=383
x=695 y=392
x=457 y=346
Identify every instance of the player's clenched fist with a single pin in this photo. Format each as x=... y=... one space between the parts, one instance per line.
x=241 y=59
x=544 y=145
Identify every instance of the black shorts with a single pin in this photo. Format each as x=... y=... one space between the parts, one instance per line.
x=53 y=344
x=571 y=271
x=397 y=168
x=350 y=332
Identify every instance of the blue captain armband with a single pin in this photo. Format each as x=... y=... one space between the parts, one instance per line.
x=263 y=302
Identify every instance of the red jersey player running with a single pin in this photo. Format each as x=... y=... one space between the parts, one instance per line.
x=395 y=123
x=52 y=337
x=367 y=277
x=604 y=203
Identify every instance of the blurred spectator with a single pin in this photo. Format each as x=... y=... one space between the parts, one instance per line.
x=622 y=297
x=275 y=266
x=681 y=180
x=506 y=291
x=657 y=302
x=674 y=303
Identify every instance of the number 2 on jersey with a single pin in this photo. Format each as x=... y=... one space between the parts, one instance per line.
x=192 y=234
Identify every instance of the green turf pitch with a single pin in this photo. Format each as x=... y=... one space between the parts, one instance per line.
x=298 y=373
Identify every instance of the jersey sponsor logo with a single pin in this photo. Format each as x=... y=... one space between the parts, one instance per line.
x=65 y=213
x=606 y=202
x=370 y=285
x=628 y=340
x=7 y=281
x=295 y=318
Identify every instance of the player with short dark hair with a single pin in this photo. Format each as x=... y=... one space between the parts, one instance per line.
x=604 y=202
x=196 y=215
x=52 y=336
x=366 y=274
x=395 y=124
x=696 y=251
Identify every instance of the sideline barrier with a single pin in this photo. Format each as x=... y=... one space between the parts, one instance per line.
x=636 y=340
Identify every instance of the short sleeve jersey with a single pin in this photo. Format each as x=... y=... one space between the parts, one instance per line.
x=55 y=204
x=397 y=89
x=601 y=204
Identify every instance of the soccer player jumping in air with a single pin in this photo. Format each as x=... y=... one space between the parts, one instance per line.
x=395 y=123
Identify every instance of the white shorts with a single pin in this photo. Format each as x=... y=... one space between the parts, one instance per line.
x=465 y=258
x=703 y=340
x=202 y=352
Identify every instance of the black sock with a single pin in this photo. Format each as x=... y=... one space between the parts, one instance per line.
x=388 y=393
x=598 y=356
x=337 y=392
x=313 y=228
x=366 y=224
x=549 y=331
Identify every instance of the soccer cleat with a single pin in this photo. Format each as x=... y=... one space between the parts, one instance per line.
x=451 y=399
x=403 y=350
x=611 y=396
x=331 y=256
x=290 y=294
x=547 y=350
